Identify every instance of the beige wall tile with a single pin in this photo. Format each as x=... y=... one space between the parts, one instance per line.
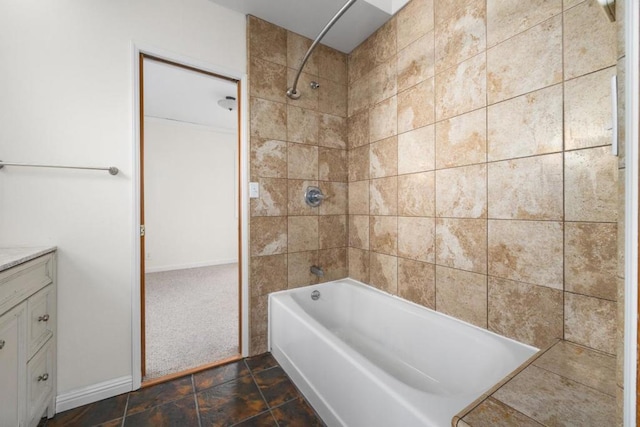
x=527 y=313
x=267 y=80
x=415 y=63
x=507 y=18
x=416 y=194
x=462 y=294
x=273 y=198
x=268 y=235
x=517 y=249
x=267 y=41
x=416 y=150
x=383 y=270
x=268 y=158
x=620 y=308
x=590 y=259
x=384 y=42
x=359 y=231
x=529 y=61
x=621 y=77
x=416 y=238
x=302 y=161
x=259 y=320
x=359 y=163
x=383 y=158
x=566 y=4
x=302 y=125
x=358 y=96
x=359 y=264
x=413 y=21
x=332 y=97
x=333 y=131
x=360 y=61
x=383 y=196
x=299 y=265
x=332 y=164
x=528 y=188
x=462 y=192
x=332 y=231
x=588 y=50
x=258 y=344
x=336 y=202
x=590 y=322
x=359 y=198
x=268 y=274
x=462 y=140
x=527 y=125
x=383 y=120
x=462 y=88
x=621 y=222
x=297 y=205
x=461 y=35
x=587 y=110
x=416 y=106
x=302 y=233
x=383 y=81
x=268 y=119
x=334 y=264
x=358 y=128
x=417 y=282
x=332 y=64
x=383 y=232
x=445 y=11
x=620 y=7
x=591 y=185
x=297 y=47
x=308 y=97
x=462 y=244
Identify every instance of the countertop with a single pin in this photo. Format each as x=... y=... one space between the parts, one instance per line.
x=565 y=384
x=10 y=257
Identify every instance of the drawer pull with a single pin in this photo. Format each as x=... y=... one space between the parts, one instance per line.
x=44 y=318
x=2 y=343
x=43 y=377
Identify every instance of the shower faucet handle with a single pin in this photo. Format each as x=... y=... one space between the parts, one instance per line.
x=313 y=196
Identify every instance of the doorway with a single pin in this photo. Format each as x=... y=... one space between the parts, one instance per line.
x=190 y=281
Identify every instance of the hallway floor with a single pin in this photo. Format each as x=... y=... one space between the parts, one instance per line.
x=250 y=392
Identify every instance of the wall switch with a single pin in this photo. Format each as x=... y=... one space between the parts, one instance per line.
x=254 y=190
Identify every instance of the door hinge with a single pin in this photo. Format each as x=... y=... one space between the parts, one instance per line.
x=142 y=230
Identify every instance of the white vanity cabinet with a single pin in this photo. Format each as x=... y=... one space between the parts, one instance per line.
x=27 y=337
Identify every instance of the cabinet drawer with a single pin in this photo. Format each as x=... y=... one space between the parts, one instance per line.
x=40 y=377
x=18 y=283
x=41 y=318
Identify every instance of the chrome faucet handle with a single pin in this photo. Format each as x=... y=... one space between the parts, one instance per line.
x=313 y=196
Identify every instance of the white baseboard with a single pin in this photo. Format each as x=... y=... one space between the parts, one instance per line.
x=93 y=393
x=190 y=265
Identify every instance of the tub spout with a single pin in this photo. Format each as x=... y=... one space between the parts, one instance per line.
x=317 y=270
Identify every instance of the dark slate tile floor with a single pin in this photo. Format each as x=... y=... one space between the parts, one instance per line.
x=253 y=392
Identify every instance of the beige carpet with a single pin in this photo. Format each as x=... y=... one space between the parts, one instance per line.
x=191 y=318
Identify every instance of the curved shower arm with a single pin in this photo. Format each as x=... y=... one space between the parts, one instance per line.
x=292 y=91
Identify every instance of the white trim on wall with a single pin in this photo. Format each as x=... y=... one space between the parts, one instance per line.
x=93 y=393
x=241 y=76
x=632 y=110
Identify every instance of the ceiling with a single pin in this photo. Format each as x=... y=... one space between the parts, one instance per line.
x=175 y=93
x=308 y=17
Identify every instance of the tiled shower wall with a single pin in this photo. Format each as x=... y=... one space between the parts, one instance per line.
x=481 y=182
x=294 y=144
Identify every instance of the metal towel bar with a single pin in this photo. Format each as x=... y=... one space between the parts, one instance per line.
x=111 y=169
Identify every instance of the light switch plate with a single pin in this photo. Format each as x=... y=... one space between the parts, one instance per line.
x=254 y=190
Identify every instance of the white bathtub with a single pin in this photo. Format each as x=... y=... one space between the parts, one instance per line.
x=365 y=358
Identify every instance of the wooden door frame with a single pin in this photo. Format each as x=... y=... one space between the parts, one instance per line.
x=137 y=316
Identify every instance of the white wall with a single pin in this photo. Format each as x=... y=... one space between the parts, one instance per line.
x=190 y=195
x=66 y=91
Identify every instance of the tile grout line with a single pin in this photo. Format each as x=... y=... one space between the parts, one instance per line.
x=126 y=408
x=195 y=398
x=260 y=391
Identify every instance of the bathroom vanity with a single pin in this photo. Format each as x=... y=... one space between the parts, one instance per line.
x=27 y=335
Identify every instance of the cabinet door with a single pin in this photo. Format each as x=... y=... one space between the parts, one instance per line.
x=12 y=367
x=41 y=318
